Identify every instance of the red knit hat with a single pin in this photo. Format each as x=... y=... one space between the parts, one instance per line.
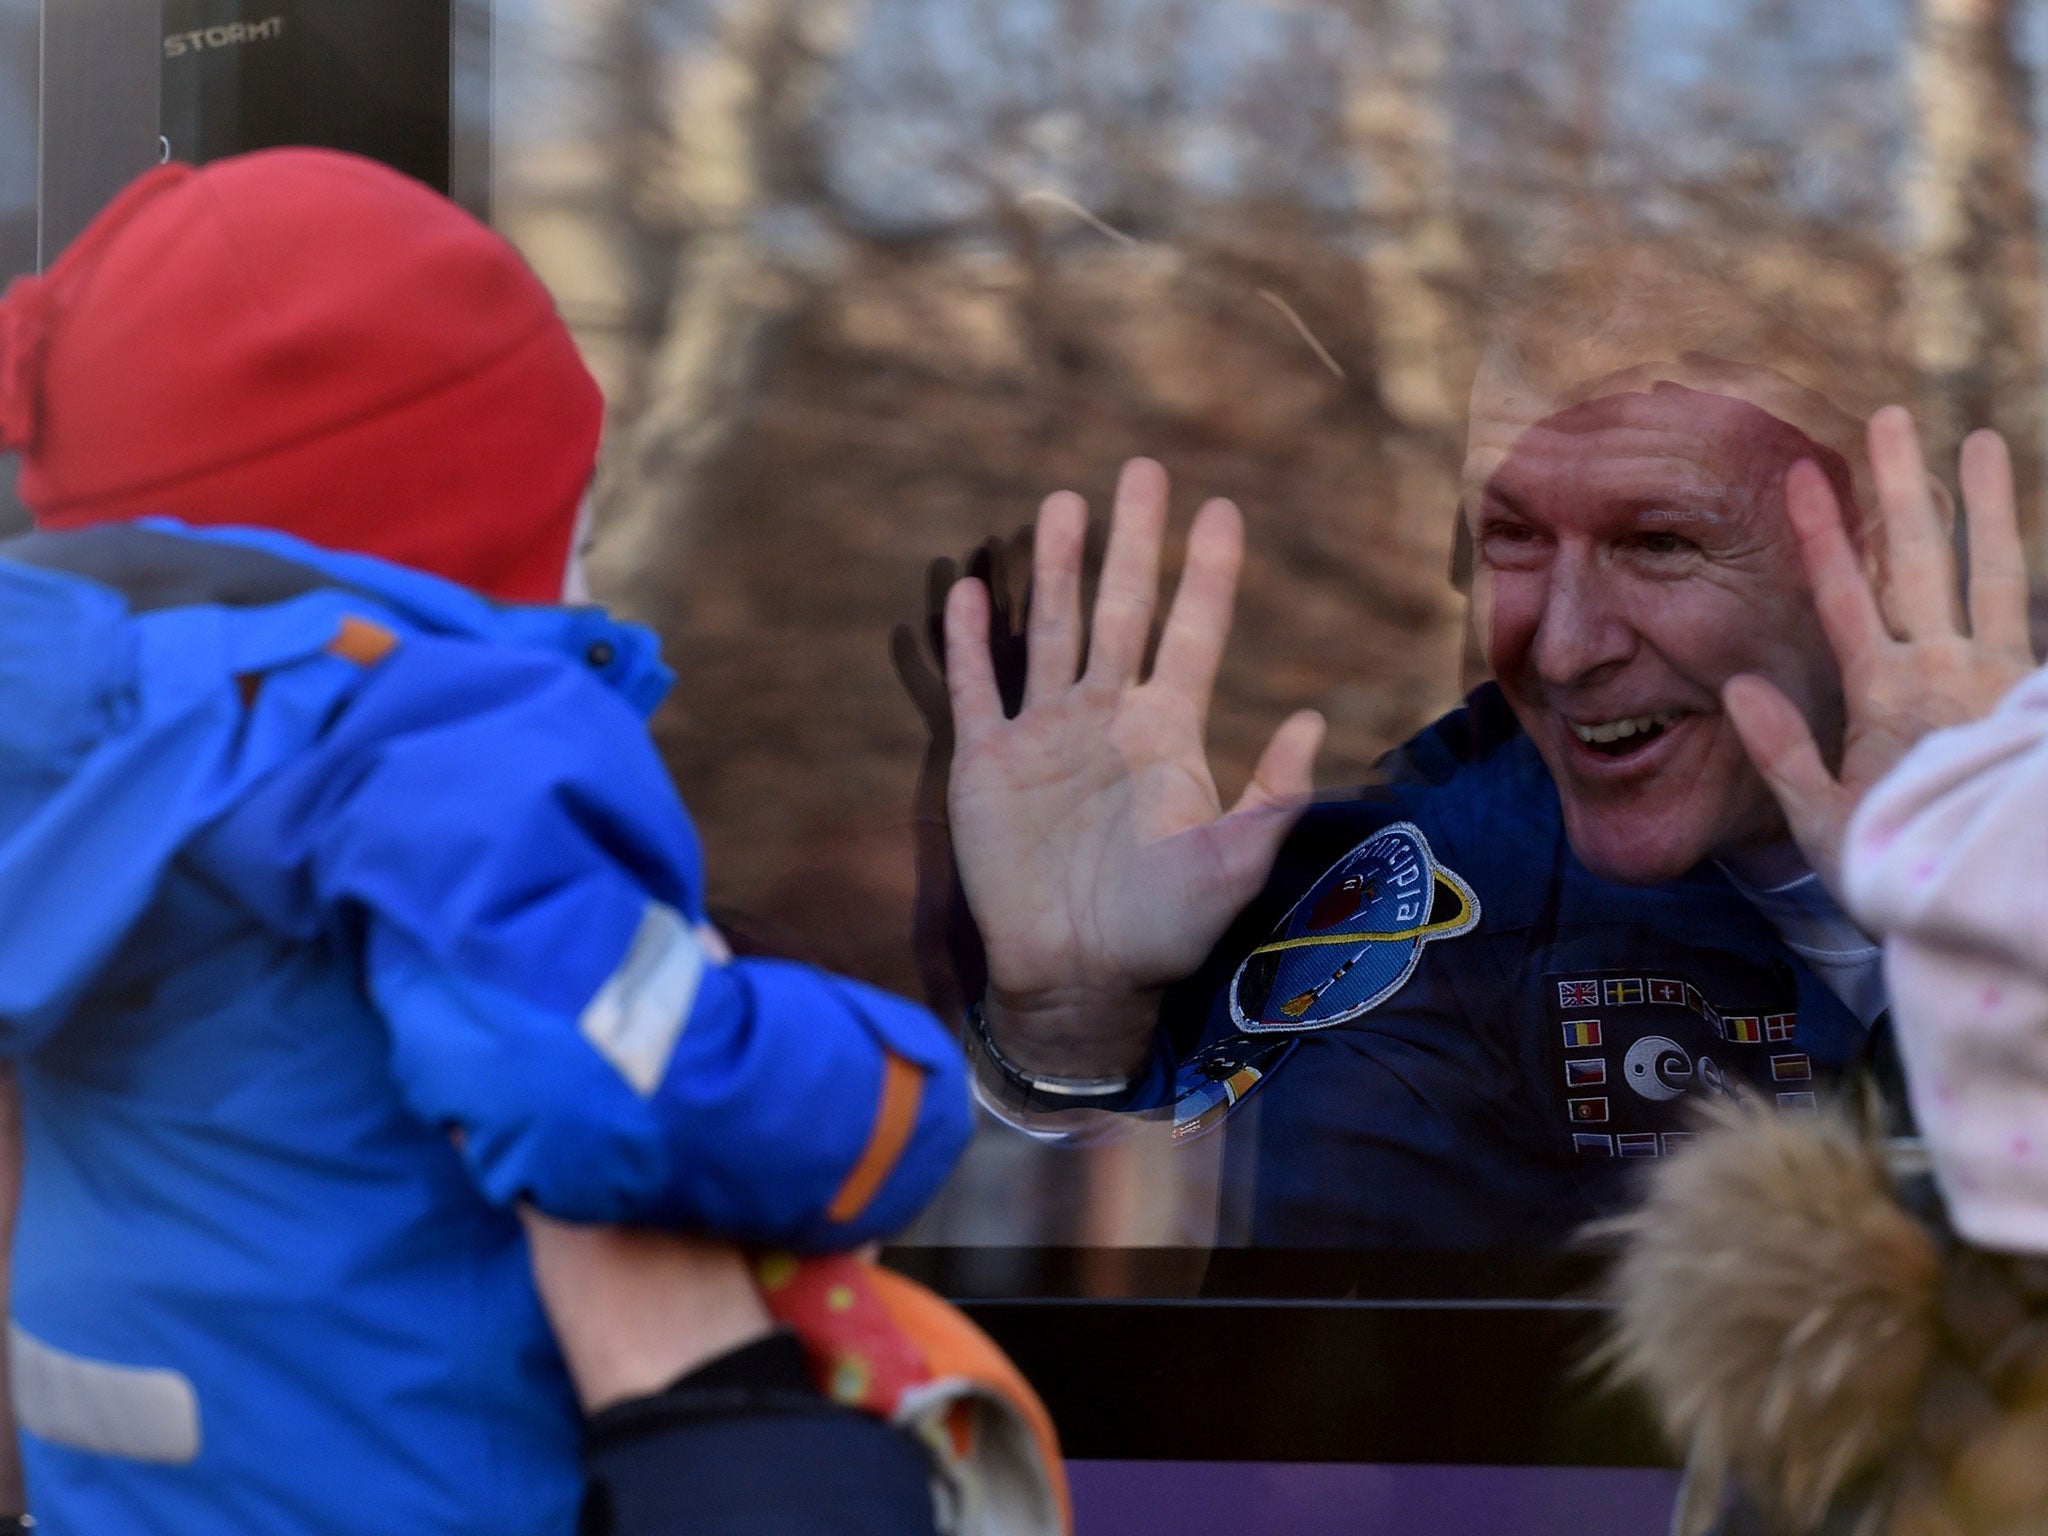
x=307 y=341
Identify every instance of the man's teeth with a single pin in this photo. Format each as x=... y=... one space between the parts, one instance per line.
x=1620 y=730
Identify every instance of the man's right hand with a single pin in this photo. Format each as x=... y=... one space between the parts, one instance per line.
x=1096 y=855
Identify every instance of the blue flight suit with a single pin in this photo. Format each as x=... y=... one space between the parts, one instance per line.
x=342 y=910
x=1436 y=1029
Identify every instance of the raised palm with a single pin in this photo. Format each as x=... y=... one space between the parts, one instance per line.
x=1092 y=843
x=1912 y=661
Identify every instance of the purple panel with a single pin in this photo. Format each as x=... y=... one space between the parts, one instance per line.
x=1263 y=1498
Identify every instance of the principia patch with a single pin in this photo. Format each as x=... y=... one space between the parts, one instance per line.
x=1356 y=936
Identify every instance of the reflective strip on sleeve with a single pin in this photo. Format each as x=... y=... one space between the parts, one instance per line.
x=94 y=1405
x=895 y=1120
x=638 y=1015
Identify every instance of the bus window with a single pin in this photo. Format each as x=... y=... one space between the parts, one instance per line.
x=1203 y=538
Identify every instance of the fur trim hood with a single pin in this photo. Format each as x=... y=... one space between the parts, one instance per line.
x=1822 y=1353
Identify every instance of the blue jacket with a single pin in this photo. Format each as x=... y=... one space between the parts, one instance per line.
x=1436 y=1029
x=306 y=863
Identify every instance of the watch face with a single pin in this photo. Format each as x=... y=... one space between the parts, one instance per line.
x=368 y=76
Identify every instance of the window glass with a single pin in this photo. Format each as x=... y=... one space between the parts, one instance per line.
x=1503 y=324
x=20 y=101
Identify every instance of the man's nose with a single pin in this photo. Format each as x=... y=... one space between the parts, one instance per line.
x=1582 y=631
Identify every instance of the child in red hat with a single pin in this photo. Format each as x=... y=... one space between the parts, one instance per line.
x=346 y=913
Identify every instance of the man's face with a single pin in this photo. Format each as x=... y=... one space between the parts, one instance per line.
x=1634 y=554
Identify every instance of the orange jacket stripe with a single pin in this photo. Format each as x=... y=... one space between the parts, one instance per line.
x=895 y=1119
x=362 y=642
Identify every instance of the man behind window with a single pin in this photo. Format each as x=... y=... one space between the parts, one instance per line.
x=1451 y=1011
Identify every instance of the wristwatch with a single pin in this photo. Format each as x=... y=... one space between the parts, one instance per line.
x=1013 y=1088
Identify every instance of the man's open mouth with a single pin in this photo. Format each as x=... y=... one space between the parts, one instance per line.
x=1618 y=738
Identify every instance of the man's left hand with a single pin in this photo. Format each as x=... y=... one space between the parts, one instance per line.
x=1912 y=660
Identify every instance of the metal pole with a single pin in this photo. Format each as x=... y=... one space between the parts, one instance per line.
x=101 y=86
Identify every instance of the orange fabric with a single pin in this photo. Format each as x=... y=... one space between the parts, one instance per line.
x=954 y=1346
x=362 y=642
x=895 y=1120
x=858 y=1353
x=873 y=1335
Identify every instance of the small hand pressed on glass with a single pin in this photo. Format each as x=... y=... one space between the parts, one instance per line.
x=1913 y=657
x=1093 y=843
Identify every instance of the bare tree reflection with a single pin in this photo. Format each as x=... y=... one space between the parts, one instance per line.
x=865 y=278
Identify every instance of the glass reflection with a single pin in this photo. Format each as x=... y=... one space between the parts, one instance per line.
x=864 y=282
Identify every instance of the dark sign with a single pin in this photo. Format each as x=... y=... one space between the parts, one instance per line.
x=371 y=76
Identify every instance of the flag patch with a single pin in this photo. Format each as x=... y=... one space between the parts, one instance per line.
x=1585 y=1072
x=1578 y=994
x=1637 y=1144
x=1673 y=1140
x=1666 y=991
x=1586 y=1145
x=1587 y=1111
x=1796 y=1101
x=1779 y=1026
x=1743 y=1028
x=1616 y=994
x=1791 y=1069
x=1581 y=1034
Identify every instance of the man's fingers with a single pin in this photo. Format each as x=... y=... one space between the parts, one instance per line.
x=921 y=681
x=1130 y=575
x=1841 y=591
x=939 y=577
x=970 y=674
x=1286 y=769
x=1998 y=564
x=1054 y=626
x=1247 y=840
x=1781 y=746
x=1919 y=559
x=1198 y=625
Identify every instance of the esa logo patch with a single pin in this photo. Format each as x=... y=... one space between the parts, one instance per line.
x=1354 y=938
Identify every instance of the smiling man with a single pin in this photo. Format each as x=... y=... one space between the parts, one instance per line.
x=1636 y=555
x=1450 y=1011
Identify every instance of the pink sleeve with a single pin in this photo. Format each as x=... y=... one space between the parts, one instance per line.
x=1947 y=860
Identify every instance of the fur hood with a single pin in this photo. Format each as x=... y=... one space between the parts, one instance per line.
x=1822 y=1353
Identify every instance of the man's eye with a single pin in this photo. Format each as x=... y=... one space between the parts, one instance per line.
x=1511 y=546
x=1658 y=542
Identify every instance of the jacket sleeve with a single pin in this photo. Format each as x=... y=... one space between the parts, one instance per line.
x=491 y=830
x=1947 y=860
